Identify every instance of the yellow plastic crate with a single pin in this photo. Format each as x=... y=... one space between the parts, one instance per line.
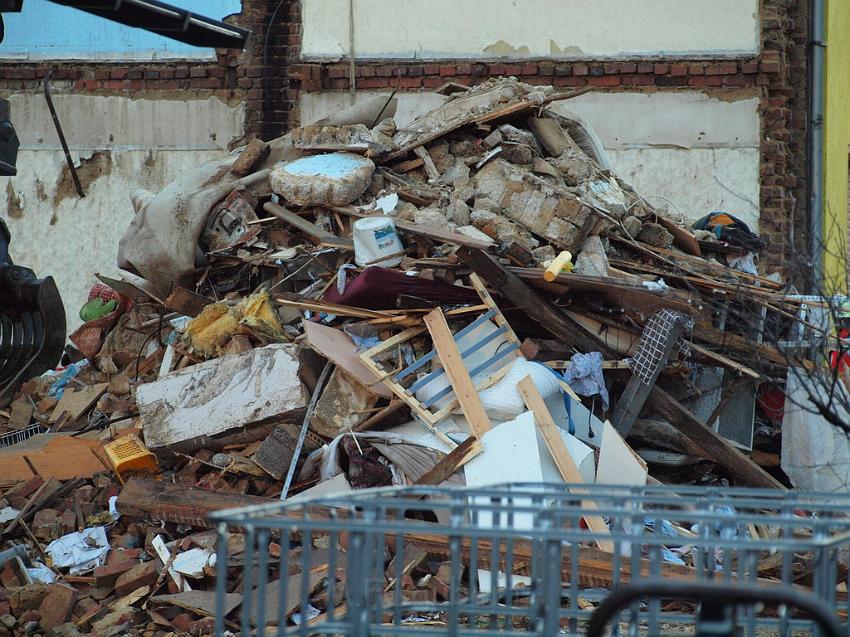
x=130 y=458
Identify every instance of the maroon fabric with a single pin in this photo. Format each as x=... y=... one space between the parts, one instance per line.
x=378 y=289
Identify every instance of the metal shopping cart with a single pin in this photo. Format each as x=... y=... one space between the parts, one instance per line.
x=522 y=558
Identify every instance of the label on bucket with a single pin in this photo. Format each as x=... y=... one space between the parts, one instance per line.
x=385 y=237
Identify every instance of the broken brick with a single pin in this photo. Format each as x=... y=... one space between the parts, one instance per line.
x=108 y=574
x=56 y=608
x=142 y=574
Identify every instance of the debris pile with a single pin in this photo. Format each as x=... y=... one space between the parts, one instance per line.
x=475 y=299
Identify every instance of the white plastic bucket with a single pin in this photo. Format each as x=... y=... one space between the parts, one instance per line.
x=376 y=242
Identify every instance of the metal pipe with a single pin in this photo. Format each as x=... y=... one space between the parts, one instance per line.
x=817 y=55
x=58 y=126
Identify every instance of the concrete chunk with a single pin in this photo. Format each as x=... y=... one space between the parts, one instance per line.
x=221 y=394
x=333 y=179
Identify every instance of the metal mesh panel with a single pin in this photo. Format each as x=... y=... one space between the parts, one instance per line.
x=519 y=557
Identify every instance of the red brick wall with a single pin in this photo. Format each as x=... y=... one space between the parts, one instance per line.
x=271 y=92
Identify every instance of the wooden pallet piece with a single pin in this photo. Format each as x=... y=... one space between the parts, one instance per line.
x=392 y=379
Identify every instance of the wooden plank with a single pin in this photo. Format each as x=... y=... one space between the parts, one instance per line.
x=561 y=455
x=636 y=392
x=511 y=286
x=308 y=228
x=744 y=471
x=430 y=167
x=337 y=347
x=178 y=503
x=407 y=166
x=455 y=459
x=77 y=401
x=464 y=388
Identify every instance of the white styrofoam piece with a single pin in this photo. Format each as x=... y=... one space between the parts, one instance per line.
x=164 y=555
x=617 y=462
x=516 y=452
x=485 y=581
x=191 y=563
x=221 y=394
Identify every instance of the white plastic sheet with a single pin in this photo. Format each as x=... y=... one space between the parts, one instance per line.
x=81 y=551
x=815 y=454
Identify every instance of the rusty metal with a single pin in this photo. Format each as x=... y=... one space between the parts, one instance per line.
x=58 y=126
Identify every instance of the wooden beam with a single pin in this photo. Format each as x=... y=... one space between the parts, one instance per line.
x=634 y=396
x=511 y=286
x=453 y=461
x=744 y=471
x=430 y=166
x=561 y=455
x=178 y=503
x=461 y=382
x=311 y=229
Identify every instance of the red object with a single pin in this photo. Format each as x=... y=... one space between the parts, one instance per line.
x=101 y=291
x=836 y=358
x=378 y=289
x=772 y=403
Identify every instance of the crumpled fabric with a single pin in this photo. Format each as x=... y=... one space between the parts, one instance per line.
x=584 y=375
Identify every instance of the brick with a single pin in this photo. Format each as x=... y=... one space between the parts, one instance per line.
x=581 y=69
x=463 y=69
x=335 y=72
x=696 y=69
x=546 y=69
x=432 y=82
x=628 y=67
x=389 y=71
x=726 y=68
x=705 y=81
x=101 y=74
x=151 y=75
x=637 y=80
x=57 y=606
x=678 y=70
x=605 y=80
x=447 y=70
x=366 y=71
x=563 y=70
x=497 y=69
x=182 y=622
x=750 y=67
x=529 y=69
x=182 y=73
x=410 y=82
x=661 y=69
x=570 y=81
x=737 y=80
x=770 y=67
x=645 y=67
x=373 y=82
x=432 y=69
x=141 y=574
x=666 y=80
x=198 y=71
x=513 y=69
x=597 y=70
x=107 y=574
x=415 y=70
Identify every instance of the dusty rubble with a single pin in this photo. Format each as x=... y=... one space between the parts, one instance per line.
x=266 y=343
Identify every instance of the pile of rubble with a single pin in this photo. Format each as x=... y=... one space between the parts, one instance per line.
x=355 y=305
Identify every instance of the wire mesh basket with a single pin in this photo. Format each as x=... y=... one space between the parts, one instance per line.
x=521 y=558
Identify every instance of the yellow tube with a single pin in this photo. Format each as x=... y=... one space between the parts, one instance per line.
x=560 y=263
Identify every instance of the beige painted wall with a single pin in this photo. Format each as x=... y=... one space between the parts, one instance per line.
x=142 y=143
x=699 y=152
x=567 y=29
